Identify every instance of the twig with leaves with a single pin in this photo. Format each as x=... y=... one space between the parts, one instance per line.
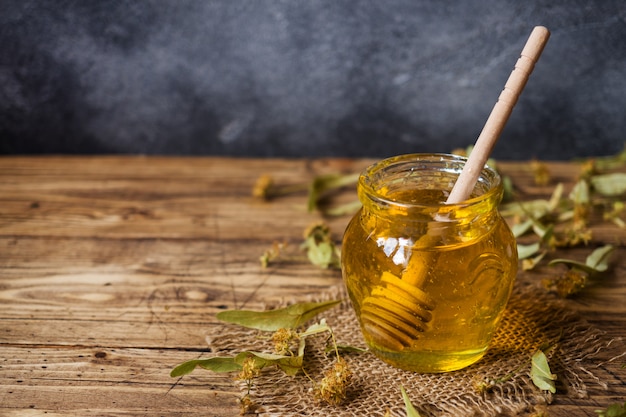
x=286 y=324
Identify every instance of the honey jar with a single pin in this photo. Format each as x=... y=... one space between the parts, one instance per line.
x=428 y=281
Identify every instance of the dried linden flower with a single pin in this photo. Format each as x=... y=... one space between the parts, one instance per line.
x=614 y=214
x=573 y=237
x=263 y=187
x=482 y=387
x=271 y=254
x=332 y=388
x=568 y=283
x=248 y=406
x=283 y=339
x=249 y=370
x=588 y=169
x=541 y=173
x=317 y=230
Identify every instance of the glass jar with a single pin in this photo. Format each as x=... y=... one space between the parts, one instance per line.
x=428 y=281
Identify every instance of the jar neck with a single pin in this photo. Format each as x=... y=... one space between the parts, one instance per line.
x=409 y=192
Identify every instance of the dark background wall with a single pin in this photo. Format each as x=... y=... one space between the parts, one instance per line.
x=306 y=77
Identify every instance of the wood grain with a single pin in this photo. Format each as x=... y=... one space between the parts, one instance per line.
x=112 y=270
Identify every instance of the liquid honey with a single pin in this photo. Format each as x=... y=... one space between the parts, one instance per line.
x=429 y=282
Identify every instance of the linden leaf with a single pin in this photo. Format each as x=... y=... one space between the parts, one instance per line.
x=319 y=246
x=599 y=258
x=526 y=251
x=508 y=189
x=547 y=233
x=555 y=198
x=316 y=328
x=544 y=232
x=343 y=209
x=322 y=254
x=611 y=161
x=613 y=410
x=351 y=349
x=289 y=364
x=580 y=192
x=597 y=261
x=540 y=372
x=520 y=229
x=215 y=364
x=609 y=185
x=324 y=183
x=534 y=208
x=271 y=320
x=530 y=263
x=410 y=410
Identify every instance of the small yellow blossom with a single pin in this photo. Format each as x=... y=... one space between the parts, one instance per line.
x=541 y=173
x=332 y=388
x=283 y=339
x=249 y=370
x=263 y=187
x=568 y=283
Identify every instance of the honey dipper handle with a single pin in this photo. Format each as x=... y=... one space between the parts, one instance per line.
x=499 y=115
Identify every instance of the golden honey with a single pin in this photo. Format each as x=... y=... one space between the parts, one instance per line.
x=429 y=281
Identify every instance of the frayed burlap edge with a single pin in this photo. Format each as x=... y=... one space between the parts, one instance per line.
x=499 y=384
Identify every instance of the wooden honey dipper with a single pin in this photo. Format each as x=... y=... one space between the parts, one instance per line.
x=397 y=310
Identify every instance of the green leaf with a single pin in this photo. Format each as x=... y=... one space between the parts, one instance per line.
x=290 y=317
x=610 y=185
x=290 y=365
x=320 y=248
x=580 y=192
x=324 y=183
x=322 y=254
x=611 y=161
x=520 y=229
x=215 y=364
x=613 y=410
x=599 y=258
x=533 y=208
x=530 y=263
x=545 y=232
x=410 y=410
x=316 y=328
x=540 y=372
x=526 y=251
x=345 y=348
x=507 y=186
x=348 y=348
x=597 y=261
x=343 y=209
x=555 y=198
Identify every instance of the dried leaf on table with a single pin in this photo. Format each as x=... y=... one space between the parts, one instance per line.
x=289 y=317
x=289 y=364
x=597 y=261
x=531 y=263
x=540 y=372
x=324 y=183
x=526 y=251
x=609 y=185
x=215 y=364
x=613 y=410
x=410 y=409
x=320 y=248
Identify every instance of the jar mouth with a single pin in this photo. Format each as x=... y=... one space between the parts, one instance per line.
x=387 y=182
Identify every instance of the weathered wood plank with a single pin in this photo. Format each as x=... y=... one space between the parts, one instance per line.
x=112 y=270
x=106 y=381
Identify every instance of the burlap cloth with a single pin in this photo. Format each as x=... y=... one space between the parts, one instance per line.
x=533 y=318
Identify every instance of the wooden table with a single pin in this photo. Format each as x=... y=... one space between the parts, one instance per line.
x=112 y=270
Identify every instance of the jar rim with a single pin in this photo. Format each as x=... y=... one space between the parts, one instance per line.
x=371 y=177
